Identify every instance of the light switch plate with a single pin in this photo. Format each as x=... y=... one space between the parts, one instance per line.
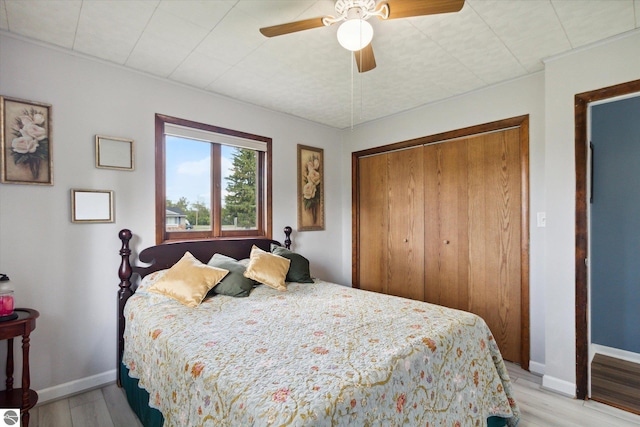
x=542 y=219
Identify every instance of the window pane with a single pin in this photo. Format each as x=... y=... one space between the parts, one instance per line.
x=188 y=184
x=239 y=188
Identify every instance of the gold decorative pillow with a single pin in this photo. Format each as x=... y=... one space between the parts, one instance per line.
x=188 y=281
x=267 y=268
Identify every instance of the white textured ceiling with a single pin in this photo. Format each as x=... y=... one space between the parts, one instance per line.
x=216 y=46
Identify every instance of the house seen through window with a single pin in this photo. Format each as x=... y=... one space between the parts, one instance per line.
x=214 y=181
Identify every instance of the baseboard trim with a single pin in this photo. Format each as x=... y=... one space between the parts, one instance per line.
x=559 y=386
x=536 y=368
x=614 y=352
x=74 y=387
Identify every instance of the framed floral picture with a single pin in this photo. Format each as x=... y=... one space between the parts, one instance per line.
x=25 y=142
x=310 y=188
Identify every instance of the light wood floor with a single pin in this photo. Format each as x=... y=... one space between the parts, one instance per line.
x=107 y=407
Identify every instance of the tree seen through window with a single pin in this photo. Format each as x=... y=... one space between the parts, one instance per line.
x=212 y=182
x=239 y=209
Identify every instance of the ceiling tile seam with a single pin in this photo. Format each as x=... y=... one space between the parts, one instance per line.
x=449 y=98
x=75 y=33
x=564 y=30
x=500 y=38
x=202 y=41
x=155 y=9
x=463 y=65
x=223 y=74
x=310 y=7
x=234 y=66
x=266 y=39
x=431 y=82
x=6 y=13
x=591 y=45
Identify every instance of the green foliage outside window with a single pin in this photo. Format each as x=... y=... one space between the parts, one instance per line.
x=240 y=201
x=197 y=213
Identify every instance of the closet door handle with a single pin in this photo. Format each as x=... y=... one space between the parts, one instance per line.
x=406 y=240
x=446 y=242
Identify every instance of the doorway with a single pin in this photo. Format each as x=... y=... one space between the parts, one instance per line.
x=583 y=192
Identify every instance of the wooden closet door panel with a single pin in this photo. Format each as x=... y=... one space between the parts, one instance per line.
x=373 y=222
x=406 y=224
x=446 y=227
x=494 y=228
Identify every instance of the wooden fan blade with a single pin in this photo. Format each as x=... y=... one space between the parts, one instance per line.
x=407 y=8
x=365 y=59
x=292 y=27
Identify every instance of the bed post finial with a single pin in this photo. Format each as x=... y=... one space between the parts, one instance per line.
x=124 y=292
x=287 y=240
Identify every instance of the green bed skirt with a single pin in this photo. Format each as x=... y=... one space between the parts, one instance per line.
x=496 y=422
x=149 y=417
x=139 y=400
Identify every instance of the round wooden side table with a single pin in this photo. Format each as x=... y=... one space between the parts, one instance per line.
x=23 y=398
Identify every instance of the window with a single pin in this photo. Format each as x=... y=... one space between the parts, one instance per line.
x=210 y=182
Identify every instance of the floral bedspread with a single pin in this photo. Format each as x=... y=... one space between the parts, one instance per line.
x=317 y=355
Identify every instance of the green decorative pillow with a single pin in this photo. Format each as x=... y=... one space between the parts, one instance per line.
x=188 y=281
x=234 y=284
x=299 y=268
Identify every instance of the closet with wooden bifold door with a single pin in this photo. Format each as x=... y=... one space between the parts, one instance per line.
x=391 y=217
x=445 y=221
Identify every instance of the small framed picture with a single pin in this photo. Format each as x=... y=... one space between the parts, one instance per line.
x=25 y=141
x=114 y=153
x=92 y=206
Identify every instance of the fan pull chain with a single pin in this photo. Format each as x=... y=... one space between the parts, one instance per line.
x=351 y=60
x=360 y=78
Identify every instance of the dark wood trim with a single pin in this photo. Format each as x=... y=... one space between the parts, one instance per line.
x=264 y=197
x=525 y=330
x=521 y=122
x=160 y=181
x=260 y=196
x=124 y=273
x=582 y=339
x=268 y=232
x=287 y=237
x=216 y=190
x=211 y=128
x=355 y=220
x=445 y=136
x=581 y=146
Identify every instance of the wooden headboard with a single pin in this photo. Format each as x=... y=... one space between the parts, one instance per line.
x=165 y=255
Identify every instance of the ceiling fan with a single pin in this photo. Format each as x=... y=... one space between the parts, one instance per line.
x=355 y=33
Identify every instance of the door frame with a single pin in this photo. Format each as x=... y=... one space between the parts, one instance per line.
x=520 y=122
x=582 y=101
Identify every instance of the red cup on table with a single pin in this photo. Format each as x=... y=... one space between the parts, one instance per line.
x=6 y=303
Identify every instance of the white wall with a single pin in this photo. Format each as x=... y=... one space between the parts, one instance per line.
x=69 y=271
x=75 y=279
x=603 y=65
x=515 y=98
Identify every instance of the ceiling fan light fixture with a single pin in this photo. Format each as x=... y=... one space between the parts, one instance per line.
x=355 y=34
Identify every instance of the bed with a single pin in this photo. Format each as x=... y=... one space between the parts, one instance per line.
x=313 y=354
